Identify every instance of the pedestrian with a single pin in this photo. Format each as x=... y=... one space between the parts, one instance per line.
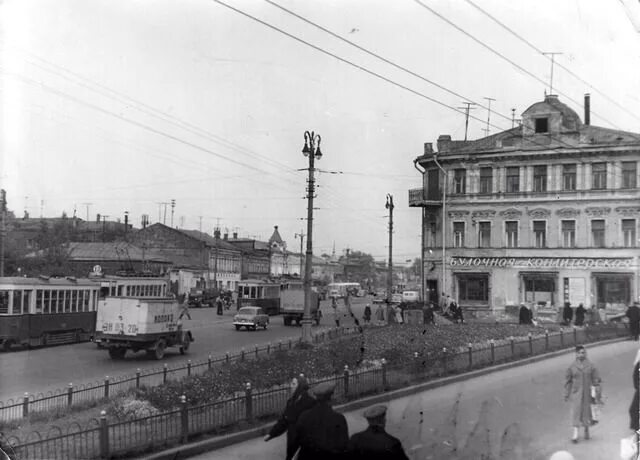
x=567 y=314
x=580 y=314
x=347 y=302
x=524 y=316
x=219 y=305
x=391 y=313
x=458 y=317
x=375 y=443
x=444 y=304
x=579 y=379
x=398 y=313
x=299 y=401
x=633 y=313
x=320 y=432
x=184 y=310
x=427 y=314
x=634 y=408
x=336 y=317
x=602 y=314
x=380 y=315
x=367 y=314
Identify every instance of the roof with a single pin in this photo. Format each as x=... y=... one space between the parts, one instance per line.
x=275 y=237
x=113 y=251
x=208 y=239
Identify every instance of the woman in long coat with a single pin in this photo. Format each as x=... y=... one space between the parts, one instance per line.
x=299 y=401
x=580 y=376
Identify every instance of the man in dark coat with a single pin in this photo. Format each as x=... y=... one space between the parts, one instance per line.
x=633 y=313
x=219 y=304
x=320 y=432
x=375 y=443
x=567 y=314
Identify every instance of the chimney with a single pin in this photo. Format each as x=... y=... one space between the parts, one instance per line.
x=235 y=235
x=98 y=218
x=443 y=143
x=126 y=220
x=225 y=237
x=428 y=148
x=587 y=109
x=216 y=233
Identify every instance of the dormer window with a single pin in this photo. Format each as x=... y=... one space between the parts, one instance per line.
x=542 y=125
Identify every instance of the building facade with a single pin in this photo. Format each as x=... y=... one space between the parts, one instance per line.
x=547 y=212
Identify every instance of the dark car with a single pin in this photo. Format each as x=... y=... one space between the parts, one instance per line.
x=202 y=297
x=251 y=318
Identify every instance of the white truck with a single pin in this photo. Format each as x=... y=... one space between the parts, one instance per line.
x=292 y=304
x=129 y=323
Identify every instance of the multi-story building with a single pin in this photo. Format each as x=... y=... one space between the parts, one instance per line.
x=546 y=212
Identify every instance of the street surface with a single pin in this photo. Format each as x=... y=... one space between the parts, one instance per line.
x=43 y=369
x=530 y=396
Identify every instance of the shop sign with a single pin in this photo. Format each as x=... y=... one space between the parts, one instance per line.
x=540 y=262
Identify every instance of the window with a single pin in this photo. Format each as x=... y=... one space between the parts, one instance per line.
x=4 y=302
x=459 y=180
x=540 y=178
x=629 y=233
x=511 y=234
x=568 y=233
x=484 y=234
x=629 y=174
x=542 y=125
x=17 y=303
x=597 y=233
x=430 y=235
x=540 y=233
x=598 y=176
x=513 y=179
x=458 y=234
x=486 y=180
x=568 y=177
x=474 y=288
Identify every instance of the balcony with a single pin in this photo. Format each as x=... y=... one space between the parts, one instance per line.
x=418 y=197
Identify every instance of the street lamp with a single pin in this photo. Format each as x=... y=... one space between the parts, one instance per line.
x=312 y=151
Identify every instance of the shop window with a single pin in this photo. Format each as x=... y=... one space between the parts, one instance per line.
x=539 y=290
x=484 y=234
x=513 y=179
x=597 y=233
x=568 y=177
x=629 y=174
x=540 y=178
x=458 y=234
x=598 y=176
x=4 y=302
x=540 y=233
x=473 y=288
x=459 y=181
x=511 y=234
x=568 y=229
x=542 y=125
x=629 y=233
x=613 y=291
x=486 y=180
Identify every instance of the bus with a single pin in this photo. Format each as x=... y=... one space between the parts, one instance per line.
x=342 y=289
x=47 y=310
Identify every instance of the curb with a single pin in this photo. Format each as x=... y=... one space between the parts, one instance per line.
x=187 y=450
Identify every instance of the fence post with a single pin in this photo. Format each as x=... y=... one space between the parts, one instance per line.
x=138 y=378
x=346 y=380
x=25 y=405
x=70 y=394
x=106 y=386
x=256 y=351
x=575 y=335
x=546 y=340
x=384 y=375
x=513 y=348
x=493 y=351
x=561 y=337
x=242 y=354
x=104 y=435
x=416 y=357
x=209 y=362
x=188 y=367
x=164 y=373
x=226 y=357
x=470 y=351
x=184 y=418
x=290 y=344
x=248 y=402
x=444 y=361
x=530 y=344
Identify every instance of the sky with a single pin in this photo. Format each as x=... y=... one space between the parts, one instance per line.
x=110 y=106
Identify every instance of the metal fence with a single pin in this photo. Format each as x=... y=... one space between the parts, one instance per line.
x=105 y=438
x=111 y=386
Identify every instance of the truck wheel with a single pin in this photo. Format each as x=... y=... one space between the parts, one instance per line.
x=185 y=346
x=158 y=351
x=253 y=328
x=7 y=345
x=117 y=353
x=237 y=327
x=287 y=321
x=297 y=321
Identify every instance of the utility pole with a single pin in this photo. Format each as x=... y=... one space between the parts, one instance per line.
x=301 y=236
x=164 y=216
x=3 y=231
x=173 y=205
x=389 y=206
x=489 y=100
x=553 y=56
x=200 y=228
x=87 y=205
x=513 y=118
x=216 y=235
x=104 y=227
x=466 y=116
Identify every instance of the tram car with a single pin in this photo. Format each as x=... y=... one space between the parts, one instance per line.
x=258 y=293
x=46 y=311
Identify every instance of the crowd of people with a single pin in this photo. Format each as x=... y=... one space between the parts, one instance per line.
x=315 y=431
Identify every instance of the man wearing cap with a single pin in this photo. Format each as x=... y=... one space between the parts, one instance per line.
x=375 y=443
x=320 y=432
x=633 y=313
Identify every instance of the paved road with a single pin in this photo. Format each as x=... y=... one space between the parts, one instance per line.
x=531 y=396
x=52 y=368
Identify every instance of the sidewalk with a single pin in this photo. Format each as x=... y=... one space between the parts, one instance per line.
x=529 y=395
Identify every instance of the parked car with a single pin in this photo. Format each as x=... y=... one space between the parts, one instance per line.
x=202 y=297
x=251 y=318
x=410 y=296
x=396 y=298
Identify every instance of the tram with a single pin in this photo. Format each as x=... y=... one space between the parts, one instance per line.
x=258 y=293
x=46 y=310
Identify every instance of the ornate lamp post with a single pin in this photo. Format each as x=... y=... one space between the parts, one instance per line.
x=312 y=151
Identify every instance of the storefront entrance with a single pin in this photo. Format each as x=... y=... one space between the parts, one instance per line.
x=540 y=288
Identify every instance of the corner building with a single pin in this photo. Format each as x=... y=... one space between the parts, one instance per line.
x=547 y=212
